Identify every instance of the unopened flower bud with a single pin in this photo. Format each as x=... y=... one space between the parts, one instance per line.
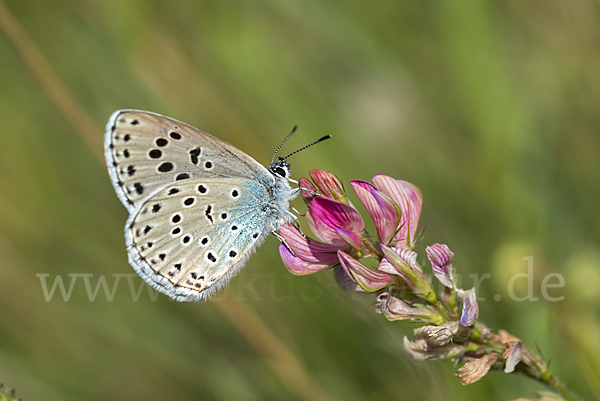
x=476 y=369
x=396 y=309
x=420 y=350
x=438 y=335
x=404 y=264
x=441 y=258
x=329 y=185
x=470 y=310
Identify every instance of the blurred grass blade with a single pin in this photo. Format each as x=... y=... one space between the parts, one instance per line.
x=50 y=82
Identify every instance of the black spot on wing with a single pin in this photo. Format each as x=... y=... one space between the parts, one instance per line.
x=165 y=167
x=194 y=154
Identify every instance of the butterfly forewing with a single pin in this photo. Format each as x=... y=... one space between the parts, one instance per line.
x=145 y=152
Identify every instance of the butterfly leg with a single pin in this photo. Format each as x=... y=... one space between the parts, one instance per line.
x=297 y=211
x=296 y=222
x=282 y=240
x=294 y=218
x=310 y=191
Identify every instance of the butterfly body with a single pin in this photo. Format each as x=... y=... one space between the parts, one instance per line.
x=198 y=206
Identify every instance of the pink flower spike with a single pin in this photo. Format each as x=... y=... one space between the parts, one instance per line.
x=409 y=199
x=382 y=209
x=329 y=185
x=368 y=279
x=441 y=258
x=470 y=310
x=307 y=197
x=298 y=266
x=308 y=250
x=328 y=214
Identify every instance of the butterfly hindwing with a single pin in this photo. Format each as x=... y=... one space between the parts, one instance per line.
x=193 y=233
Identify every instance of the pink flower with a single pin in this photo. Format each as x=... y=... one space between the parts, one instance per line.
x=409 y=199
x=335 y=222
x=308 y=256
x=394 y=206
x=341 y=240
x=366 y=278
x=384 y=212
x=328 y=185
x=337 y=226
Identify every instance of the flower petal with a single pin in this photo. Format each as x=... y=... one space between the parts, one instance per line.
x=328 y=214
x=390 y=212
x=441 y=258
x=383 y=210
x=307 y=249
x=329 y=185
x=352 y=238
x=470 y=310
x=368 y=279
x=297 y=266
x=310 y=222
x=513 y=355
x=307 y=197
x=409 y=199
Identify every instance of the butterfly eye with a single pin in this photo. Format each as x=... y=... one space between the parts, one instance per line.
x=280 y=172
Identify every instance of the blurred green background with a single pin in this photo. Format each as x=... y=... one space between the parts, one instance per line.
x=491 y=108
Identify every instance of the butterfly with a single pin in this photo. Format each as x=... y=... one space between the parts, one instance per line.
x=198 y=206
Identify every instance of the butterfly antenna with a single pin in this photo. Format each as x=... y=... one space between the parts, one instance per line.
x=284 y=141
x=307 y=146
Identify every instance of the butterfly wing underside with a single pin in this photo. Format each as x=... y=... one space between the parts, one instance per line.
x=196 y=203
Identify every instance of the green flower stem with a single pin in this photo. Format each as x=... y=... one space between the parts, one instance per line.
x=538 y=372
x=542 y=374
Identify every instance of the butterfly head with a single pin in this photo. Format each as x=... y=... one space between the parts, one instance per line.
x=280 y=168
